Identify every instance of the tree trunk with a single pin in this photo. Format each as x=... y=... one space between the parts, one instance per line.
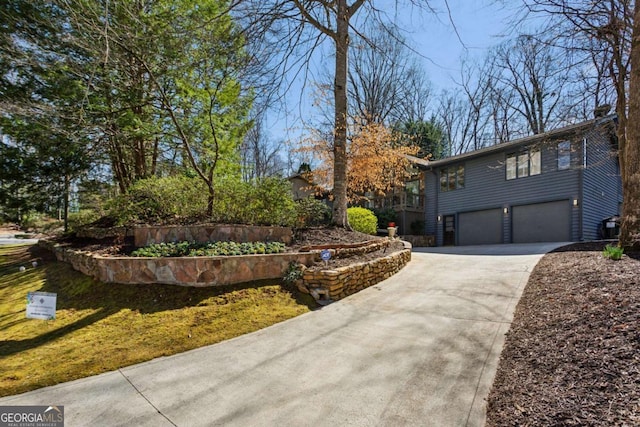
x=340 y=132
x=67 y=188
x=630 y=151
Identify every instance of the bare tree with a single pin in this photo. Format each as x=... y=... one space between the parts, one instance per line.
x=260 y=157
x=531 y=80
x=285 y=26
x=630 y=152
x=386 y=84
x=611 y=23
x=461 y=122
x=288 y=22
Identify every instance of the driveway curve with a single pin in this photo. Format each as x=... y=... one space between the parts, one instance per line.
x=420 y=348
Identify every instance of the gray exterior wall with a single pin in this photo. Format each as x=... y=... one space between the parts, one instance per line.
x=602 y=189
x=486 y=186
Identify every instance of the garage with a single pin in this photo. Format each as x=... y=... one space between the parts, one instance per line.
x=542 y=222
x=480 y=227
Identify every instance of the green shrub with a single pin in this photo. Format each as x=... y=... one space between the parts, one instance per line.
x=154 y=200
x=385 y=216
x=362 y=220
x=272 y=203
x=182 y=249
x=266 y=202
x=417 y=227
x=158 y=200
x=82 y=218
x=613 y=252
x=311 y=212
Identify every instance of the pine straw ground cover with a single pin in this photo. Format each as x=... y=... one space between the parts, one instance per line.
x=101 y=327
x=572 y=356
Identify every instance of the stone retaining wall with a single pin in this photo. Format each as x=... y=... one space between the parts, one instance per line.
x=341 y=282
x=324 y=285
x=185 y=271
x=420 y=240
x=145 y=236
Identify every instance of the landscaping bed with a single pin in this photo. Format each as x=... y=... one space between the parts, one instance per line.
x=572 y=355
x=202 y=263
x=313 y=236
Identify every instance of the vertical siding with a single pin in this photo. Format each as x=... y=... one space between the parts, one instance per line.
x=486 y=186
x=431 y=201
x=601 y=184
x=596 y=187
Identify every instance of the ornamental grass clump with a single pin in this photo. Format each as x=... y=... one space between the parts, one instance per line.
x=613 y=252
x=189 y=249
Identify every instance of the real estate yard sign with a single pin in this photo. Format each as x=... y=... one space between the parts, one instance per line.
x=41 y=305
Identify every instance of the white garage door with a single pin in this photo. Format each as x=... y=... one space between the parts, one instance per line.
x=542 y=222
x=480 y=227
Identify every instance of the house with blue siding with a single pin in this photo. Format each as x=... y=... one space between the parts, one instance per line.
x=555 y=186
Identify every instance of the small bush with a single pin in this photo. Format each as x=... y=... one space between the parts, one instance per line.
x=293 y=274
x=362 y=220
x=417 y=227
x=385 y=216
x=613 y=252
x=311 y=212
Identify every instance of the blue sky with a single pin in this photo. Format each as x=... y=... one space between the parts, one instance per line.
x=480 y=24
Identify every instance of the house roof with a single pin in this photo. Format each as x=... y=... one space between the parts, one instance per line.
x=556 y=133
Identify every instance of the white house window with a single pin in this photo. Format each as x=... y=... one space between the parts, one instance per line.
x=535 y=161
x=512 y=167
x=452 y=178
x=524 y=164
x=564 y=155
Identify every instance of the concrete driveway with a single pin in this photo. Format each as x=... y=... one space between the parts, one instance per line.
x=10 y=239
x=420 y=348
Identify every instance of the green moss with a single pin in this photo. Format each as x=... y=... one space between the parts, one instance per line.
x=100 y=327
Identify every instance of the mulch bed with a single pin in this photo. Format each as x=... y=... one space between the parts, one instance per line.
x=327 y=236
x=394 y=246
x=572 y=355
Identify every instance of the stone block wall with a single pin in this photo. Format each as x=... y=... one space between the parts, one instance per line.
x=420 y=240
x=185 y=271
x=324 y=285
x=341 y=282
x=145 y=236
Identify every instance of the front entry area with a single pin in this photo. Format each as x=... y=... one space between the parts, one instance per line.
x=449 y=235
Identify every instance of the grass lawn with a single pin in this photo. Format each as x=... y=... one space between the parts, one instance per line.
x=100 y=327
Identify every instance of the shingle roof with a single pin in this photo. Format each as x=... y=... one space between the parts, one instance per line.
x=556 y=133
